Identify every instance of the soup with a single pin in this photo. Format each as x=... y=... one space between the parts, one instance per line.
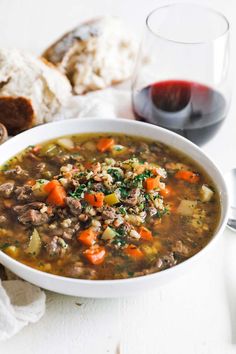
x=105 y=206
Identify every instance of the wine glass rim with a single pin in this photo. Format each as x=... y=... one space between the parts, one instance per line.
x=216 y=12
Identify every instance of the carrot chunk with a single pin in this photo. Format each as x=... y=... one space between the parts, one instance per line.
x=51 y=185
x=88 y=237
x=187 y=176
x=134 y=252
x=167 y=192
x=56 y=193
x=152 y=183
x=105 y=144
x=145 y=233
x=95 y=255
x=95 y=199
x=57 y=196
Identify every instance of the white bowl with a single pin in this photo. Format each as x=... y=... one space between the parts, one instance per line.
x=122 y=287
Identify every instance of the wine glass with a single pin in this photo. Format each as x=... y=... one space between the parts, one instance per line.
x=181 y=80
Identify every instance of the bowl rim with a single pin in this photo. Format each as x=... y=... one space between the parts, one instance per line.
x=142 y=278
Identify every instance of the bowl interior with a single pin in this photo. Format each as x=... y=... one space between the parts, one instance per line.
x=76 y=126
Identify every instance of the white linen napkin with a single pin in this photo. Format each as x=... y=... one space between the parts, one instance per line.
x=109 y=103
x=22 y=303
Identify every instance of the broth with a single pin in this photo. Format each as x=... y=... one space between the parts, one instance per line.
x=105 y=206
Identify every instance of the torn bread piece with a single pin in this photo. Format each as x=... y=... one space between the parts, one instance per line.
x=95 y=54
x=32 y=90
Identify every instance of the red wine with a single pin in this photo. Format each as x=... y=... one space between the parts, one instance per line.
x=192 y=110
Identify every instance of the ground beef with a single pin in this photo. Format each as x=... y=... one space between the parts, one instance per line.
x=74 y=205
x=98 y=187
x=60 y=160
x=19 y=209
x=6 y=189
x=30 y=213
x=109 y=213
x=23 y=193
x=62 y=213
x=33 y=217
x=17 y=171
x=166 y=261
x=57 y=247
x=133 y=197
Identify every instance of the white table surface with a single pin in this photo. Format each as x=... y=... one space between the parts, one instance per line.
x=195 y=314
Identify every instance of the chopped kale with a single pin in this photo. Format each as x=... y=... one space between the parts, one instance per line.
x=121 y=231
x=143 y=175
x=161 y=213
x=120 y=239
x=122 y=210
x=119 y=242
x=115 y=174
x=78 y=191
x=147 y=196
x=124 y=193
x=157 y=196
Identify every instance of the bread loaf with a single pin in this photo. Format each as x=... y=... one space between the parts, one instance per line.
x=95 y=54
x=32 y=91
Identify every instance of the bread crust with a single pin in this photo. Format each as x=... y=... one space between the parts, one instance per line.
x=59 y=49
x=16 y=113
x=55 y=57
